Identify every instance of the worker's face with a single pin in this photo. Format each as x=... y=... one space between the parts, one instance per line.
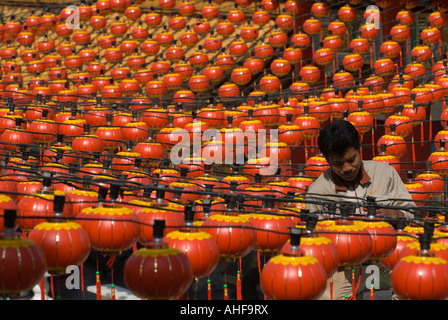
x=347 y=165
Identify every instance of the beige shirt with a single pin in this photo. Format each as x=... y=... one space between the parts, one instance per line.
x=376 y=179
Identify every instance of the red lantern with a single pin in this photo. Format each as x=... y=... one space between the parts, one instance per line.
x=390 y=49
x=232 y=232
x=429 y=275
x=112 y=228
x=416 y=190
x=312 y=26
x=337 y=28
x=403 y=125
x=270 y=228
x=316 y=165
x=278 y=38
x=346 y=13
x=430 y=35
x=200 y=247
x=395 y=144
x=171 y=272
x=153 y=19
x=22 y=262
x=353 y=241
x=64 y=243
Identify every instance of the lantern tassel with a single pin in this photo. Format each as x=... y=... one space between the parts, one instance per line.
x=373 y=142
x=52 y=286
x=422 y=135
x=413 y=149
x=209 y=289
x=331 y=288
x=259 y=264
x=226 y=292
x=98 y=286
x=372 y=295
x=42 y=288
x=82 y=280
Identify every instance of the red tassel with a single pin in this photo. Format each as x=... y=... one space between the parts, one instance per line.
x=52 y=286
x=209 y=289
x=372 y=295
x=373 y=142
x=239 y=295
x=112 y=293
x=42 y=289
x=82 y=280
x=353 y=285
x=413 y=149
x=226 y=292
x=331 y=288
x=430 y=127
x=98 y=286
x=422 y=133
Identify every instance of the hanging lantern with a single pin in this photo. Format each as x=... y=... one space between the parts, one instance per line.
x=70 y=245
x=390 y=49
x=403 y=239
x=288 y=276
x=112 y=228
x=400 y=33
x=22 y=262
x=391 y=160
x=439 y=160
x=395 y=144
x=430 y=274
x=316 y=165
x=346 y=13
x=353 y=241
x=200 y=247
x=158 y=271
x=153 y=19
x=232 y=232
x=403 y=125
x=384 y=238
x=430 y=35
x=432 y=182
x=312 y=26
x=317 y=245
x=38 y=206
x=309 y=124
x=270 y=228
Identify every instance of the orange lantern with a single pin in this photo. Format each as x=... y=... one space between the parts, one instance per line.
x=22 y=262
x=292 y=275
x=429 y=274
x=199 y=246
x=158 y=271
x=64 y=243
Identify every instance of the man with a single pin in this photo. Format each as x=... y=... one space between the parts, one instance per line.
x=350 y=179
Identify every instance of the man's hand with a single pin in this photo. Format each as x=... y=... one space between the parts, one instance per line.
x=389 y=213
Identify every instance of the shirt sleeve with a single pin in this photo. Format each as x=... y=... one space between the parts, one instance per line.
x=400 y=195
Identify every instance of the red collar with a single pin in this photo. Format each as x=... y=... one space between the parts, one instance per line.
x=341 y=185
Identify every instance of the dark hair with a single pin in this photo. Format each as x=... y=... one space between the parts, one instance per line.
x=337 y=137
